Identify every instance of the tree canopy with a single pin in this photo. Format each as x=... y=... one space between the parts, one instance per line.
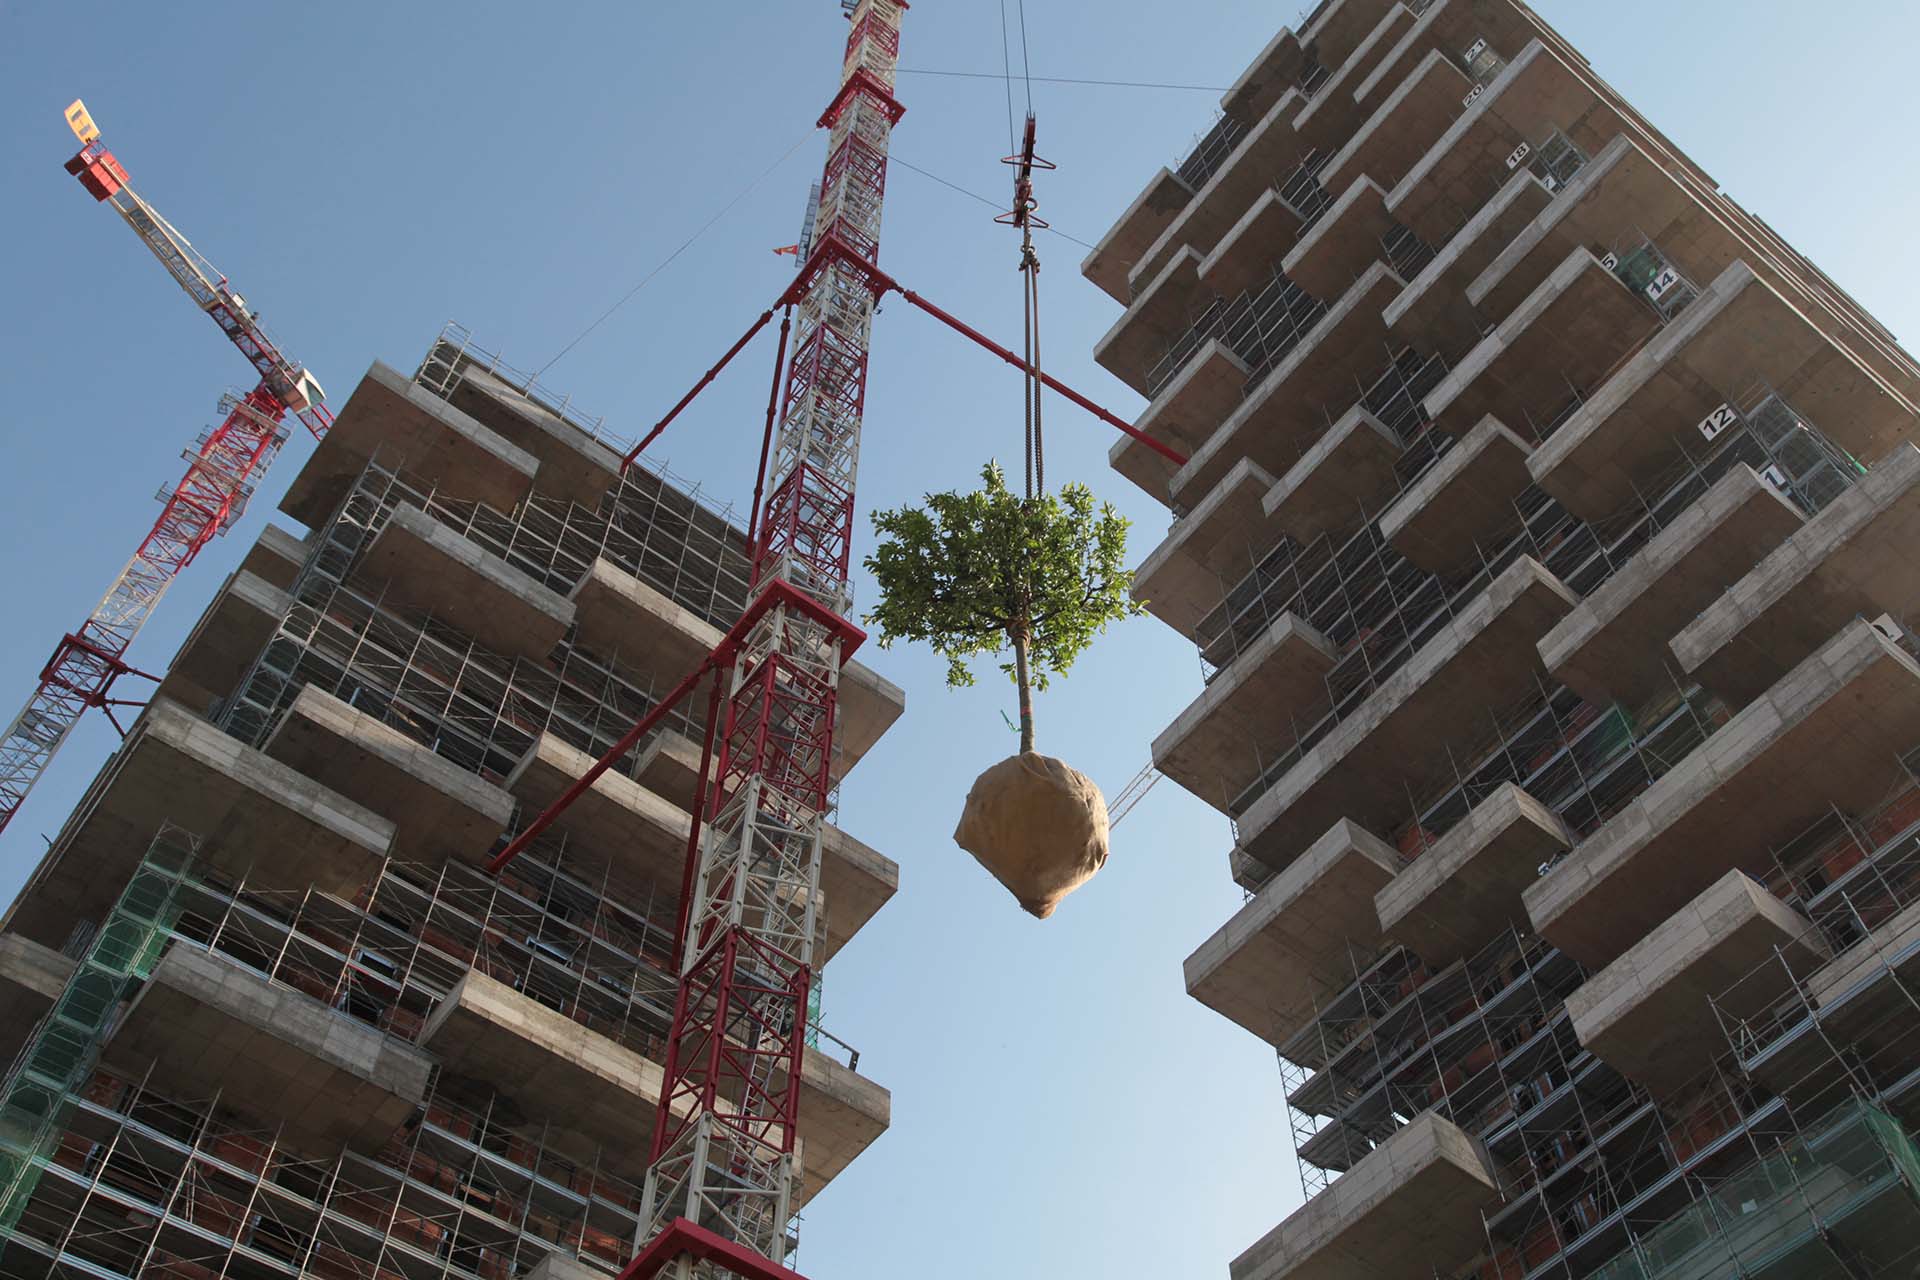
x=975 y=574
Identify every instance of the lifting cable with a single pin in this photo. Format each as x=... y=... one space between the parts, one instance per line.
x=1021 y=215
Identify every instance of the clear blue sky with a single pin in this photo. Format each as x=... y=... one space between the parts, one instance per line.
x=364 y=171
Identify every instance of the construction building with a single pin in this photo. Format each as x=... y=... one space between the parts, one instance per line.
x=1546 y=534
x=268 y=1013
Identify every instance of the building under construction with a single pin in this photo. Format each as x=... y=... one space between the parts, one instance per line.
x=268 y=1012
x=1546 y=534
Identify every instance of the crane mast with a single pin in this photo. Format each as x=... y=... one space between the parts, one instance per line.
x=224 y=465
x=724 y=1147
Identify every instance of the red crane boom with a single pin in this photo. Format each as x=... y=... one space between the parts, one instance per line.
x=224 y=465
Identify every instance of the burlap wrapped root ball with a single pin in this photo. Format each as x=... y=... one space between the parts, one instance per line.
x=1039 y=825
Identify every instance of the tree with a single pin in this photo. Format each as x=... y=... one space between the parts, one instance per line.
x=977 y=573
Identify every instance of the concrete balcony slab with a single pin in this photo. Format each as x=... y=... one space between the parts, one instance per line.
x=1110 y=261
x=1337 y=109
x=1395 y=740
x=1303 y=394
x=420 y=563
x=1651 y=1014
x=216 y=654
x=412 y=428
x=1433 y=309
x=1854 y=558
x=1269 y=150
x=207 y=1024
x=1738 y=332
x=669 y=766
x=1273 y=71
x=1339 y=248
x=1214 y=545
x=620 y=828
x=1829 y=735
x=1295 y=944
x=255 y=817
x=1162 y=312
x=1214 y=748
x=1341 y=27
x=1252 y=247
x=275 y=557
x=30 y=967
x=1406 y=124
x=1466 y=889
x=1565 y=338
x=1534 y=94
x=1613 y=648
x=442 y=812
x=1407 y=1210
x=1347 y=475
x=618 y=614
x=1464 y=502
x=1188 y=409
x=601 y=1098
x=574 y=466
x=1619 y=191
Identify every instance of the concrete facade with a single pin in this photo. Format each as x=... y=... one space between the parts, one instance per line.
x=1549 y=565
x=271 y=919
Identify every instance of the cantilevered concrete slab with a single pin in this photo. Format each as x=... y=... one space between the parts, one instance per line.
x=1107 y=266
x=419 y=563
x=574 y=466
x=1296 y=942
x=1253 y=246
x=1302 y=395
x=1737 y=333
x=1651 y=1014
x=1188 y=409
x=1340 y=27
x=1562 y=340
x=1337 y=107
x=1407 y=123
x=441 y=811
x=1827 y=736
x=255 y=817
x=1340 y=482
x=1207 y=550
x=1338 y=249
x=1464 y=503
x=238 y=622
x=1534 y=94
x=619 y=826
x=1460 y=894
x=1268 y=151
x=1162 y=312
x=1410 y=1208
x=1613 y=647
x=28 y=966
x=1620 y=192
x=416 y=431
x=275 y=557
x=599 y=1096
x=1395 y=741
x=207 y=1024
x=1432 y=309
x=622 y=616
x=1273 y=71
x=669 y=766
x=1857 y=557
x=1215 y=748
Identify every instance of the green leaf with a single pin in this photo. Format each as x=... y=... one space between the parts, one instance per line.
x=966 y=572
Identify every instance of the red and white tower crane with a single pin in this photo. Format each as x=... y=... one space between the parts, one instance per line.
x=224 y=465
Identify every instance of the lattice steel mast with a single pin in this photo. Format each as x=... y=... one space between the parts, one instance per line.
x=724 y=1147
x=223 y=467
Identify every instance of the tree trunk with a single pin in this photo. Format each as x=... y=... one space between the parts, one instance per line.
x=1019 y=637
